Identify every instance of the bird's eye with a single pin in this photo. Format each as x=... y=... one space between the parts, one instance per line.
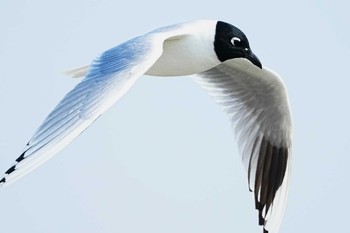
x=235 y=41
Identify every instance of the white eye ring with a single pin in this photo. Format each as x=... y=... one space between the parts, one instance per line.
x=234 y=40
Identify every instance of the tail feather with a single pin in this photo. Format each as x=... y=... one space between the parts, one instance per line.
x=77 y=72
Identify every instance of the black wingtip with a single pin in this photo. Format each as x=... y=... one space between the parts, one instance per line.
x=270 y=174
x=11 y=169
x=261 y=218
x=20 y=158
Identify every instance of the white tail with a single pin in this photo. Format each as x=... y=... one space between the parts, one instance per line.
x=77 y=72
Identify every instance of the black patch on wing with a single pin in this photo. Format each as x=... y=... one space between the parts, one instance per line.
x=13 y=168
x=20 y=158
x=271 y=169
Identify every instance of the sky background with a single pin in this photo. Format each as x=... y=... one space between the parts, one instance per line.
x=164 y=158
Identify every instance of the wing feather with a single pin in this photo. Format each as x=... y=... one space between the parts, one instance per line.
x=106 y=80
x=256 y=102
x=109 y=78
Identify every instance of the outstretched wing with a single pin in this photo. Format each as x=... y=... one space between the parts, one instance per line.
x=257 y=103
x=109 y=77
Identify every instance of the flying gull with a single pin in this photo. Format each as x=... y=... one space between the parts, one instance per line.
x=219 y=58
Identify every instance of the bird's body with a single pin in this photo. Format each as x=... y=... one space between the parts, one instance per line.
x=180 y=56
x=219 y=55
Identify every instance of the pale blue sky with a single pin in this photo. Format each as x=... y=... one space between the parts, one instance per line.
x=164 y=158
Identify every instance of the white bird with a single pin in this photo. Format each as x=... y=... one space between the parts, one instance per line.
x=219 y=56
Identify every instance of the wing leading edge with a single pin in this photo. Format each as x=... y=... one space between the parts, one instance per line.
x=107 y=79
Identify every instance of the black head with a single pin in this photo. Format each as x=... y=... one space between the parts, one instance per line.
x=230 y=42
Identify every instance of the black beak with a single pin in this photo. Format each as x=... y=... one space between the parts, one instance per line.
x=253 y=59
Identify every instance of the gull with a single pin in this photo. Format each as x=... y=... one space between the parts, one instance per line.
x=218 y=56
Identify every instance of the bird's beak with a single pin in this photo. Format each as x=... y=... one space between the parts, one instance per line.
x=253 y=59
